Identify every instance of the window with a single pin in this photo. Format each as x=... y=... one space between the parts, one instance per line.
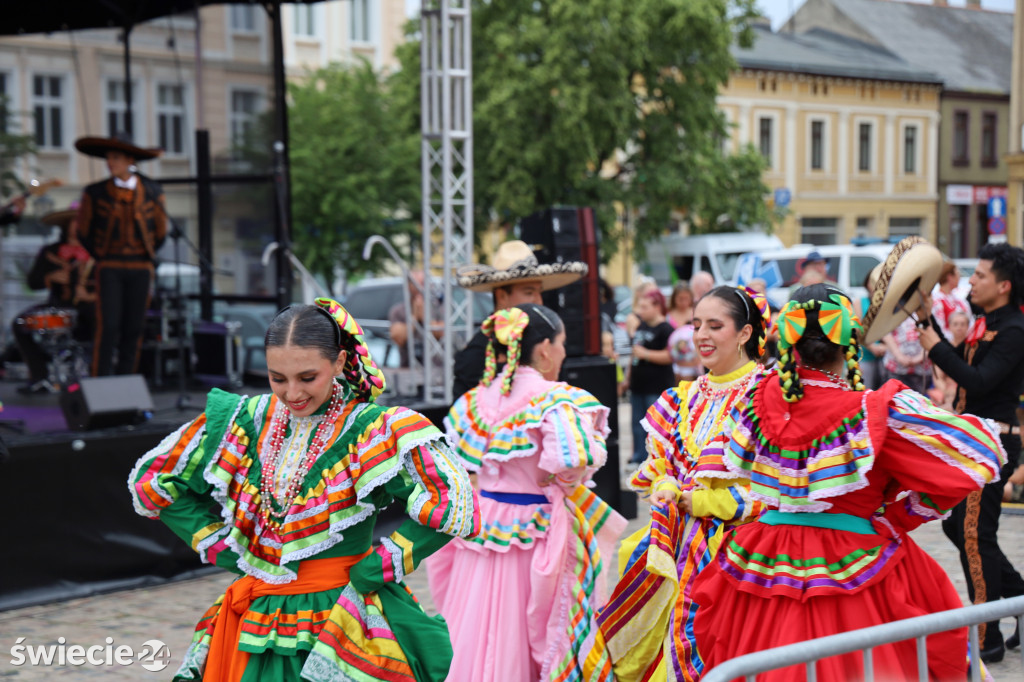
x=765 y=139
x=910 y=150
x=819 y=231
x=170 y=118
x=961 y=127
x=117 y=109
x=243 y=18
x=245 y=104
x=359 y=21
x=304 y=25
x=864 y=147
x=861 y=267
x=989 y=139
x=817 y=145
x=864 y=226
x=904 y=227
x=48 y=111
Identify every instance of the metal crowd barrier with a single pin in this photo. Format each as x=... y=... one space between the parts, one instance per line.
x=866 y=639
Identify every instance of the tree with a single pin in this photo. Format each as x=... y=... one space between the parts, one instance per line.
x=355 y=171
x=13 y=146
x=603 y=101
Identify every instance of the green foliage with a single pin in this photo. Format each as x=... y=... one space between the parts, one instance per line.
x=595 y=102
x=13 y=146
x=355 y=171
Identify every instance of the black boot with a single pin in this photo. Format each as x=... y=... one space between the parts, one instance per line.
x=1013 y=641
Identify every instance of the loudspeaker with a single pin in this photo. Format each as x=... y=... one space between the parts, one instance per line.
x=567 y=233
x=99 y=402
x=596 y=375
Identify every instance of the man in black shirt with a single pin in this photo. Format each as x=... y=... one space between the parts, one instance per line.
x=514 y=278
x=988 y=368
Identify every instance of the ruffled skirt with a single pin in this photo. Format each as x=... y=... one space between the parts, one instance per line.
x=777 y=585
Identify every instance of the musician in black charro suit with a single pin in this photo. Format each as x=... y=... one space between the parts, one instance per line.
x=65 y=268
x=123 y=222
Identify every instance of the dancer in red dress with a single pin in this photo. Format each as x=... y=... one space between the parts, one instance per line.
x=846 y=474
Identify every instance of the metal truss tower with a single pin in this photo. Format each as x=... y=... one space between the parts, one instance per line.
x=447 y=165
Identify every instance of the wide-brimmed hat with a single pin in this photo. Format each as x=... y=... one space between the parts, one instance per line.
x=119 y=142
x=514 y=262
x=59 y=218
x=913 y=266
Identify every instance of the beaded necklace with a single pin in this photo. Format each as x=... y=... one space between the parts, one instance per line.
x=704 y=385
x=275 y=443
x=834 y=380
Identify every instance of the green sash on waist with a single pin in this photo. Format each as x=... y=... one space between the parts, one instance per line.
x=847 y=522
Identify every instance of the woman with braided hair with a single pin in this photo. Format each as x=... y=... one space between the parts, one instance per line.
x=284 y=489
x=520 y=597
x=845 y=474
x=648 y=621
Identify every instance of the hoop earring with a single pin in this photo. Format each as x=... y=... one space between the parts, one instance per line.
x=548 y=368
x=739 y=350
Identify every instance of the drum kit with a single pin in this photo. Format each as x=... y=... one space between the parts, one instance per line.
x=53 y=329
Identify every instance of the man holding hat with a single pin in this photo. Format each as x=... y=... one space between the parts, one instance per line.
x=988 y=368
x=515 y=277
x=123 y=222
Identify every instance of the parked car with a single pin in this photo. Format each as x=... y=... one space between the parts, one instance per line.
x=677 y=257
x=848 y=266
x=371 y=300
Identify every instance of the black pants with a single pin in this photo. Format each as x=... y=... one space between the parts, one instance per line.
x=972 y=526
x=122 y=291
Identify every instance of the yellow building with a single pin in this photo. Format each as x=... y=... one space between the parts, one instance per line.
x=850 y=136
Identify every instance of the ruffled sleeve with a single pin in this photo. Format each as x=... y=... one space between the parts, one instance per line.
x=435 y=490
x=572 y=434
x=168 y=482
x=664 y=467
x=936 y=457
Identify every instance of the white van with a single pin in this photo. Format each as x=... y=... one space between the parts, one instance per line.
x=848 y=266
x=714 y=253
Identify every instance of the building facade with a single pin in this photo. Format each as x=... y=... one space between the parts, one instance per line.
x=851 y=144
x=970 y=49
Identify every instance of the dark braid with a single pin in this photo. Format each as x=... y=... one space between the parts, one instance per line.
x=792 y=391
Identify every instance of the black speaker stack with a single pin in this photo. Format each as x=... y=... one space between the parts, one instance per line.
x=568 y=233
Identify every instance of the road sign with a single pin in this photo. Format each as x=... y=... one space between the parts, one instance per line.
x=782 y=197
x=996 y=209
x=997 y=225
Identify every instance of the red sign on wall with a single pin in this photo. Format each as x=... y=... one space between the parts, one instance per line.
x=982 y=193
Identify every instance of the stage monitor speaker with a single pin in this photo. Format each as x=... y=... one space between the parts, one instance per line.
x=568 y=233
x=597 y=376
x=100 y=402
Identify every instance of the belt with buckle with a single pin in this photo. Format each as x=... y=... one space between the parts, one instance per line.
x=1008 y=429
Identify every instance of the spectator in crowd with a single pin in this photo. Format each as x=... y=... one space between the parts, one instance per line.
x=607 y=297
x=680 y=306
x=871 y=365
x=651 y=371
x=905 y=360
x=398 y=317
x=945 y=301
x=944 y=393
x=813 y=270
x=643 y=286
x=701 y=283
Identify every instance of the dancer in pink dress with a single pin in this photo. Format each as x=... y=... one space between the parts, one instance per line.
x=520 y=597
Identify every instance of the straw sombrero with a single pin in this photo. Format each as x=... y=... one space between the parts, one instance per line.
x=119 y=142
x=514 y=262
x=913 y=266
x=59 y=218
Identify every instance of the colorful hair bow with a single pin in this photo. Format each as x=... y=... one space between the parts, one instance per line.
x=361 y=373
x=765 y=310
x=506 y=327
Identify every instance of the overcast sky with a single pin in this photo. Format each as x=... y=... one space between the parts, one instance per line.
x=780 y=10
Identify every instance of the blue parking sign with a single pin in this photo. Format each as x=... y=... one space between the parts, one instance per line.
x=782 y=197
x=996 y=208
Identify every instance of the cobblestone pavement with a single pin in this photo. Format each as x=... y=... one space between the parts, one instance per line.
x=168 y=612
